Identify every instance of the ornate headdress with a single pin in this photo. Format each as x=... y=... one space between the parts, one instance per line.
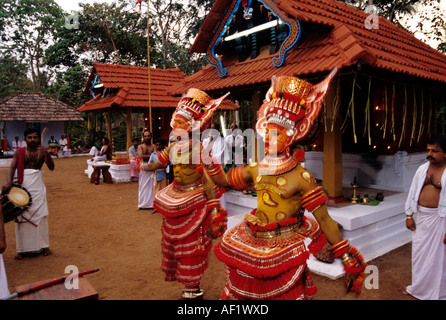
x=294 y=104
x=196 y=106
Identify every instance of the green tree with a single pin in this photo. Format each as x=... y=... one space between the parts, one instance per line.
x=108 y=33
x=12 y=76
x=27 y=27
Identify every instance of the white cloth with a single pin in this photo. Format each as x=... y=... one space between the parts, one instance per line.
x=4 y=291
x=415 y=189
x=63 y=142
x=15 y=144
x=33 y=182
x=30 y=238
x=32 y=234
x=145 y=189
x=94 y=152
x=428 y=256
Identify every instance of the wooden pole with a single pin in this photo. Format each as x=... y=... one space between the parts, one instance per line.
x=129 y=128
x=148 y=68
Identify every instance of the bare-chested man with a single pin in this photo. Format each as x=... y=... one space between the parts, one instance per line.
x=427 y=200
x=32 y=226
x=145 y=188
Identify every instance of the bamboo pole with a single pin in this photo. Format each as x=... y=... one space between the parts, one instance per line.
x=148 y=68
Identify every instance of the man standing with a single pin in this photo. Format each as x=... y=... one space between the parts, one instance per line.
x=146 y=178
x=134 y=160
x=427 y=199
x=32 y=226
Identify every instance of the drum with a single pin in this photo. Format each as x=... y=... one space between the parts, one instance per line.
x=15 y=202
x=52 y=145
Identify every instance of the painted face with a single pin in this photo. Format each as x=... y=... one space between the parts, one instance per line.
x=276 y=139
x=180 y=122
x=435 y=154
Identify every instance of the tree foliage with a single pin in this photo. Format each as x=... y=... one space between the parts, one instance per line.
x=27 y=29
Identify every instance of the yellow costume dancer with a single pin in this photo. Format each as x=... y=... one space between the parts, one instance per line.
x=265 y=255
x=190 y=205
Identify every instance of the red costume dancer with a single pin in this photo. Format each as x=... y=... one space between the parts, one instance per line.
x=265 y=255
x=190 y=205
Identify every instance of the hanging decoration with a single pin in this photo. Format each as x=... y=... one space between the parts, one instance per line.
x=351 y=112
x=403 y=130
x=420 y=131
x=386 y=108
x=367 y=115
x=393 y=113
x=414 y=119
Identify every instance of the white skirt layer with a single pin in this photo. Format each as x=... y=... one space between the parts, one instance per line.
x=428 y=256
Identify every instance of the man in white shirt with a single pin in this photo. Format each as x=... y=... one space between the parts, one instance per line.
x=16 y=143
x=63 y=143
x=426 y=200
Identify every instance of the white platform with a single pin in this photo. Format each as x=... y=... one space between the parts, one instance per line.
x=119 y=172
x=374 y=230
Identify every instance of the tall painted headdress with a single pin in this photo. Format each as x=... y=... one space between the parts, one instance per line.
x=294 y=104
x=197 y=108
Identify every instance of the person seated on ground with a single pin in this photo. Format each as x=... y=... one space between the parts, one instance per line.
x=52 y=146
x=16 y=143
x=105 y=154
x=63 y=142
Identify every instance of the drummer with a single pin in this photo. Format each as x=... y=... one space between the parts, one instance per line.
x=52 y=146
x=31 y=227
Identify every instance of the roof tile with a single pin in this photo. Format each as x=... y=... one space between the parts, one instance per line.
x=388 y=47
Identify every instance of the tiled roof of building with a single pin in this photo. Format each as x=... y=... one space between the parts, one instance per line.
x=347 y=42
x=133 y=85
x=36 y=107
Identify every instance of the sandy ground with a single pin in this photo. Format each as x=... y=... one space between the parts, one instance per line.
x=99 y=226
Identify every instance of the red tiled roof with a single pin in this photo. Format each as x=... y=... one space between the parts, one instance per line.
x=133 y=86
x=388 y=47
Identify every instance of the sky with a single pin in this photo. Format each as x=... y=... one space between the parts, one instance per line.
x=72 y=5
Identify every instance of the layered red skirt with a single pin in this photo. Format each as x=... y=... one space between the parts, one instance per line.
x=269 y=262
x=185 y=245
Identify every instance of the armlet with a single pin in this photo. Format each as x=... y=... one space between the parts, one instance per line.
x=313 y=199
x=235 y=178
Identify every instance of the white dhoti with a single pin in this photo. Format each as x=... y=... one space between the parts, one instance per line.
x=31 y=230
x=428 y=256
x=94 y=152
x=145 y=189
x=4 y=291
